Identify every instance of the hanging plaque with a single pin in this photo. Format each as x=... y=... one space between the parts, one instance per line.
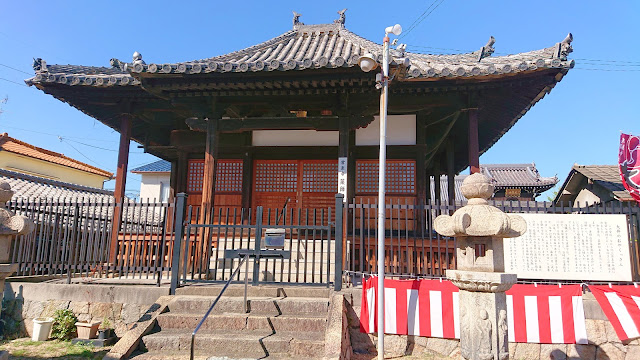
x=342 y=177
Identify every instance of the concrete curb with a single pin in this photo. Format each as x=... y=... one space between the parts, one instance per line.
x=337 y=342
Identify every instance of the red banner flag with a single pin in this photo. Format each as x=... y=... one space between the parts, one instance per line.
x=629 y=164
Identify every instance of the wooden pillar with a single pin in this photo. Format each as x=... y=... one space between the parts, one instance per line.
x=351 y=167
x=121 y=181
x=343 y=144
x=182 y=168
x=422 y=180
x=173 y=180
x=210 y=165
x=247 y=179
x=474 y=145
x=451 y=182
x=344 y=151
x=436 y=182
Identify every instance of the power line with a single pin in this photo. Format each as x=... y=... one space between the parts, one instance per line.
x=98 y=147
x=56 y=135
x=418 y=18
x=12 y=68
x=14 y=82
x=422 y=19
x=80 y=152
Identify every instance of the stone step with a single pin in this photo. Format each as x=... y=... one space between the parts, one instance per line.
x=198 y=305
x=237 y=290
x=243 y=344
x=200 y=355
x=278 y=323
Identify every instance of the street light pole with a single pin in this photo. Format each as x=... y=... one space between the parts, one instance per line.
x=381 y=190
x=367 y=63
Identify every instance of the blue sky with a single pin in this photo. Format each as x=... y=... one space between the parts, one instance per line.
x=578 y=122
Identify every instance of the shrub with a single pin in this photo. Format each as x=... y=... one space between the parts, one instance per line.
x=64 y=324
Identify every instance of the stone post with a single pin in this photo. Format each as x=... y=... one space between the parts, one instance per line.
x=479 y=229
x=10 y=225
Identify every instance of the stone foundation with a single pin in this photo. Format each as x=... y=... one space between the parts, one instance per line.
x=603 y=341
x=122 y=305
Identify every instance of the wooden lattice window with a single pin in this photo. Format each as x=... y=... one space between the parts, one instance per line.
x=276 y=176
x=195 y=176
x=400 y=177
x=319 y=177
x=228 y=176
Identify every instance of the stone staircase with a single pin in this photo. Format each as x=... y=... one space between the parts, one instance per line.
x=277 y=326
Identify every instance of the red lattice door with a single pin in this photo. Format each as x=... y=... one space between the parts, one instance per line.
x=296 y=184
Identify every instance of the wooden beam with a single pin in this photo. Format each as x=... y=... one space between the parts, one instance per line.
x=474 y=147
x=121 y=181
x=324 y=123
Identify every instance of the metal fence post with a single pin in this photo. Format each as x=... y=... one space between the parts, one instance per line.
x=337 y=283
x=181 y=205
x=257 y=245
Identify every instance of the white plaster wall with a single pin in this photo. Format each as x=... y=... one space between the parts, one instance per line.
x=586 y=196
x=401 y=130
x=151 y=184
x=295 y=138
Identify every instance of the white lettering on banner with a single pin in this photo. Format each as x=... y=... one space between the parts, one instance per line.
x=571 y=247
x=342 y=177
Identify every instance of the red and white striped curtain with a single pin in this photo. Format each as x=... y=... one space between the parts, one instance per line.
x=621 y=305
x=548 y=314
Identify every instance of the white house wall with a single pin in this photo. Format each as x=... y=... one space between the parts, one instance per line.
x=401 y=130
x=151 y=185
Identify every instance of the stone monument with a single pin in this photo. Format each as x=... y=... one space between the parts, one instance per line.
x=479 y=229
x=10 y=225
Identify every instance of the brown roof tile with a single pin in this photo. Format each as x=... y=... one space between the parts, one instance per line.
x=7 y=143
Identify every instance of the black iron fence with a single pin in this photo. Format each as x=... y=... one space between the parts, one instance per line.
x=77 y=238
x=211 y=250
x=412 y=247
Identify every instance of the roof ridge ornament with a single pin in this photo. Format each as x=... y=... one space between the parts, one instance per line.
x=296 y=20
x=39 y=65
x=564 y=48
x=341 y=20
x=117 y=64
x=487 y=50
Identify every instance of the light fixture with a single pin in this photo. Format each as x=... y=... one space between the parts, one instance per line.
x=395 y=30
x=367 y=62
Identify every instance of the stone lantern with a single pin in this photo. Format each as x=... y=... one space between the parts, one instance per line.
x=479 y=229
x=10 y=225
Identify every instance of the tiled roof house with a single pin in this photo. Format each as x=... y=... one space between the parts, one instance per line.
x=593 y=184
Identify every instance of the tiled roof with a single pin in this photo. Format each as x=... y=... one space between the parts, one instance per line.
x=608 y=176
x=7 y=143
x=37 y=188
x=160 y=166
x=517 y=175
x=313 y=47
x=503 y=176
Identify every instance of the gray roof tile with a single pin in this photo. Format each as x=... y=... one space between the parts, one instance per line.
x=316 y=46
